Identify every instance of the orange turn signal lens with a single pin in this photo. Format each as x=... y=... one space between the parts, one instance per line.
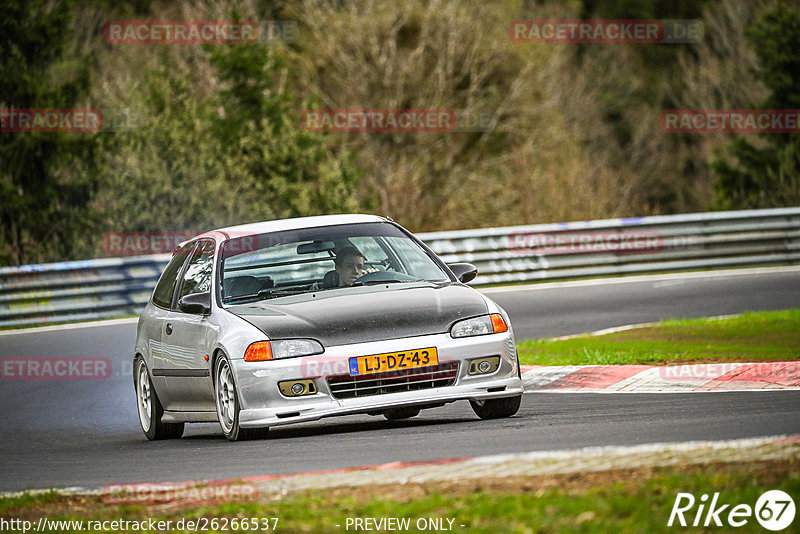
x=258 y=352
x=498 y=324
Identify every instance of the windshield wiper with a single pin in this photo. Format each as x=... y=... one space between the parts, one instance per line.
x=266 y=294
x=389 y=281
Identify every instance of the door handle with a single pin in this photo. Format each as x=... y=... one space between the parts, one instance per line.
x=168 y=329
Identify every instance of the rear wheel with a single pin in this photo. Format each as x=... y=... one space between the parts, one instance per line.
x=496 y=408
x=227 y=401
x=150 y=409
x=401 y=413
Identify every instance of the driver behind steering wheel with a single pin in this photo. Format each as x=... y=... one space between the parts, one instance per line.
x=349 y=266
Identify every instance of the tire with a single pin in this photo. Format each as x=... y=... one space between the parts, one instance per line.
x=401 y=413
x=226 y=400
x=496 y=408
x=149 y=407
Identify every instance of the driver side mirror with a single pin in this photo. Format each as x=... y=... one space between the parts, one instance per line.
x=196 y=303
x=465 y=272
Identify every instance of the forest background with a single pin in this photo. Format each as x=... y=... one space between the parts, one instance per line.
x=211 y=135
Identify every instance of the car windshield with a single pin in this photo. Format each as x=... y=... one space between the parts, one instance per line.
x=285 y=263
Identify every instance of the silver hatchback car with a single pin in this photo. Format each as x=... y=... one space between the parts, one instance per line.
x=293 y=320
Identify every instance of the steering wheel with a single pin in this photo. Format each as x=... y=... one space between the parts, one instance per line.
x=368 y=277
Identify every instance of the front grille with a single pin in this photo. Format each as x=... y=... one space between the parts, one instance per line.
x=433 y=376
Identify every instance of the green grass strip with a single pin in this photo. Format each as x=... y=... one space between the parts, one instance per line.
x=752 y=337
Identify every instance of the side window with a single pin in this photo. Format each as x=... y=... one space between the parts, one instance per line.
x=197 y=278
x=162 y=296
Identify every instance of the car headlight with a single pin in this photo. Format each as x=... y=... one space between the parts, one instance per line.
x=478 y=326
x=282 y=348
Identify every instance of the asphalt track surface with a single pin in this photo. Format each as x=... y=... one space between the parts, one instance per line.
x=86 y=433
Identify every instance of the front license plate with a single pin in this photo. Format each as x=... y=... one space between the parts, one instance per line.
x=393 y=361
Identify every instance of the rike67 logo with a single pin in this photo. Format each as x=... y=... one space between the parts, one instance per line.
x=774 y=510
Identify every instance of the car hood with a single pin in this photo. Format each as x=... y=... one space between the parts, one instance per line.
x=363 y=314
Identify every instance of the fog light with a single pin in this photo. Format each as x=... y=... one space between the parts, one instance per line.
x=482 y=366
x=297 y=388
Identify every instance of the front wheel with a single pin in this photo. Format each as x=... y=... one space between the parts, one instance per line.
x=150 y=409
x=227 y=401
x=496 y=408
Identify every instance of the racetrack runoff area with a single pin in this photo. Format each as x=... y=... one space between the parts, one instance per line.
x=654 y=487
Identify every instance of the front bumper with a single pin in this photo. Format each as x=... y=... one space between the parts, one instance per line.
x=262 y=403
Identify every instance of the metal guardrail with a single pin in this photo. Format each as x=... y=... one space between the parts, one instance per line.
x=95 y=289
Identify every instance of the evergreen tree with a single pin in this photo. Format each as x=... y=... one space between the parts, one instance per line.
x=291 y=170
x=769 y=175
x=41 y=206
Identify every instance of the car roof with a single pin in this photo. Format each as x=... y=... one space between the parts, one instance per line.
x=294 y=224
